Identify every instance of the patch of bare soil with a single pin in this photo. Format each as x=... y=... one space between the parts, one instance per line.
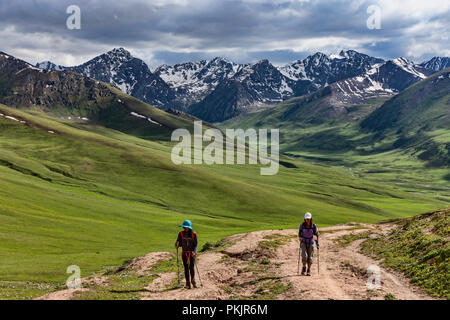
x=143 y=265
x=68 y=294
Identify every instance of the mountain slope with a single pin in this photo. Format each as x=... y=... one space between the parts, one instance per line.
x=203 y=88
x=385 y=79
x=193 y=81
x=418 y=247
x=401 y=140
x=262 y=84
x=346 y=99
x=423 y=106
x=224 y=103
x=415 y=121
x=119 y=68
x=69 y=94
x=418 y=118
x=252 y=87
x=323 y=69
x=353 y=78
x=192 y=85
x=437 y=63
x=50 y=66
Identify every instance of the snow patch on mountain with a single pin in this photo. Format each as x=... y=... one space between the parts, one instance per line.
x=193 y=81
x=134 y=114
x=47 y=65
x=387 y=78
x=437 y=63
x=408 y=66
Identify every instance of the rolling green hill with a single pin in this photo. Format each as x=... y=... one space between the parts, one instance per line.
x=69 y=95
x=403 y=141
x=419 y=247
x=306 y=111
x=424 y=106
x=418 y=119
x=78 y=193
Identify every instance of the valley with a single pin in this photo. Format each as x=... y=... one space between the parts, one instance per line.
x=87 y=177
x=62 y=204
x=402 y=140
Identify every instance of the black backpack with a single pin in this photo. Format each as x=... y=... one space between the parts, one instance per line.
x=187 y=243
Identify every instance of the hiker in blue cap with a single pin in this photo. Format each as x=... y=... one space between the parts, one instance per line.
x=187 y=240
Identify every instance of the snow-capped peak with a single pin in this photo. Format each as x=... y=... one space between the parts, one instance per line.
x=114 y=57
x=48 y=65
x=195 y=80
x=408 y=66
x=220 y=60
x=402 y=61
x=4 y=55
x=119 y=52
x=343 y=55
x=336 y=56
x=437 y=63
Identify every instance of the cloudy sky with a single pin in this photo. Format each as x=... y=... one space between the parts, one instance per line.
x=173 y=31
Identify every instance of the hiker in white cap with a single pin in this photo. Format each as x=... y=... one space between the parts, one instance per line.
x=306 y=234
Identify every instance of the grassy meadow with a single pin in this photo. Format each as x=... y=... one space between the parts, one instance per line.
x=342 y=144
x=95 y=197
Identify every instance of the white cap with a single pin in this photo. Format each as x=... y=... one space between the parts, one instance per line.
x=308 y=215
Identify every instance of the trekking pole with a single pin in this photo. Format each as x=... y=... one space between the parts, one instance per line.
x=298 y=266
x=201 y=283
x=178 y=268
x=318 y=262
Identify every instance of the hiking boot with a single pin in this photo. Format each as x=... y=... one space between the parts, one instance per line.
x=188 y=286
x=194 y=284
x=303 y=271
x=308 y=273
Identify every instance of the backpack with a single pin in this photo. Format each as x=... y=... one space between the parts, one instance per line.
x=187 y=243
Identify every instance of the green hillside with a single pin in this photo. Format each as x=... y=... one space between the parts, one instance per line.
x=419 y=247
x=93 y=197
x=418 y=119
x=68 y=95
x=404 y=141
x=423 y=106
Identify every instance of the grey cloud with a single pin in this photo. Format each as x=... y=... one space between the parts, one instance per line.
x=172 y=30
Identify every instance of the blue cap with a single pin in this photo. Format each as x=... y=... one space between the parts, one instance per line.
x=186 y=224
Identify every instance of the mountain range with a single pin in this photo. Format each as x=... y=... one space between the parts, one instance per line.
x=322 y=126
x=219 y=89
x=82 y=162
x=70 y=95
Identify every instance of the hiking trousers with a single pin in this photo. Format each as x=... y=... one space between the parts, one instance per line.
x=189 y=266
x=307 y=253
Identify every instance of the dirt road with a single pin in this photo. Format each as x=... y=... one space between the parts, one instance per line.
x=263 y=265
